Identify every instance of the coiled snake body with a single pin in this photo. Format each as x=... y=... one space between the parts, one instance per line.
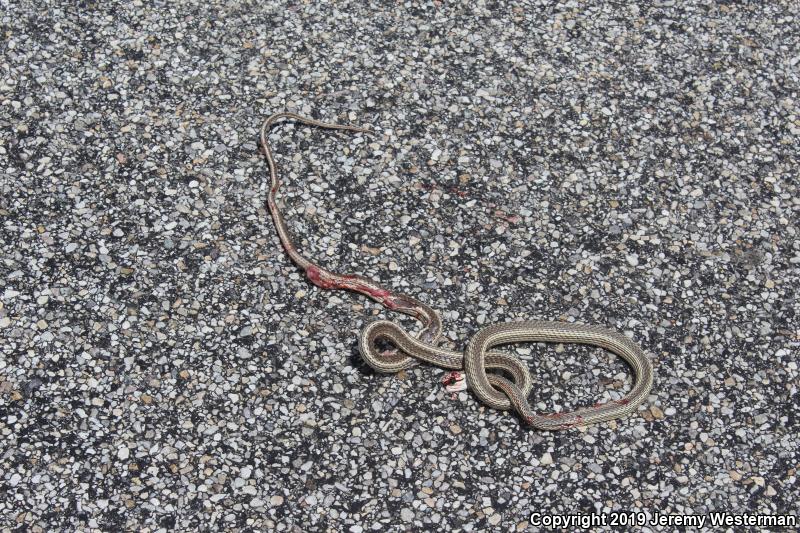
x=492 y=389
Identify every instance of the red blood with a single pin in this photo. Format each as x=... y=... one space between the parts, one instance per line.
x=376 y=293
x=624 y=401
x=450 y=378
x=315 y=276
x=360 y=285
x=313 y=273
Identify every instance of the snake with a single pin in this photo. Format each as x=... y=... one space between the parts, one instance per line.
x=494 y=389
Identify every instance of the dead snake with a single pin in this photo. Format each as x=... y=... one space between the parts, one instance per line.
x=492 y=389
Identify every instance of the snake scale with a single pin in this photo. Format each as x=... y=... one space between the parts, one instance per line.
x=493 y=389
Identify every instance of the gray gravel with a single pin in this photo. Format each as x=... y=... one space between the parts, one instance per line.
x=165 y=366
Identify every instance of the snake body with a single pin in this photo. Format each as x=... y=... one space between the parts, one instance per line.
x=493 y=389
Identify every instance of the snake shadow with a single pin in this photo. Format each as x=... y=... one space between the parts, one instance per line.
x=357 y=362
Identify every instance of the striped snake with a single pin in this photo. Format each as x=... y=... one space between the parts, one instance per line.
x=493 y=389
